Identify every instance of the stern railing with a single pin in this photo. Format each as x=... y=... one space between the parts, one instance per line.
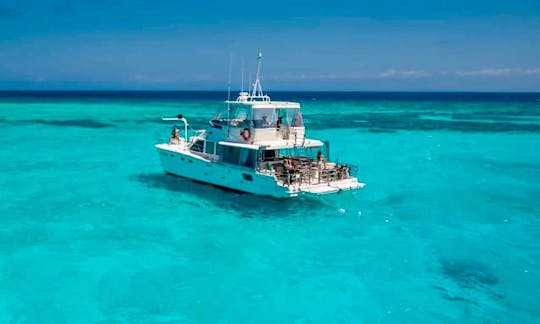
x=305 y=171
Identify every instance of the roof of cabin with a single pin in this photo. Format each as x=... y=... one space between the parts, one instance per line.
x=265 y=104
x=274 y=145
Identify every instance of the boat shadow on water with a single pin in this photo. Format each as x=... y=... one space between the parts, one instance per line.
x=247 y=204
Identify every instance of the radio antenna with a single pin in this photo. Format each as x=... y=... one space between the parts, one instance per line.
x=229 y=83
x=242 y=90
x=257 y=89
x=229 y=96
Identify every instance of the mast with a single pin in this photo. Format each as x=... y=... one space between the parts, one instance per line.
x=229 y=83
x=257 y=88
x=242 y=88
x=229 y=95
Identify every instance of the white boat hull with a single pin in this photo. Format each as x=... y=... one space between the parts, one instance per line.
x=181 y=162
x=191 y=166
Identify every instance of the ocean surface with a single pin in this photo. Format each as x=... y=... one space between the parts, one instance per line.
x=446 y=230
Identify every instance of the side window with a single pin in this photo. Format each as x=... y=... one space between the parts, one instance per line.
x=210 y=147
x=229 y=154
x=269 y=155
x=295 y=117
x=219 y=150
x=240 y=116
x=198 y=146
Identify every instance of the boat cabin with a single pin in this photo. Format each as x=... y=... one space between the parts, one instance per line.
x=252 y=121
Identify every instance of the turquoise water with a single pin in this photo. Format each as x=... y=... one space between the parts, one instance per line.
x=446 y=230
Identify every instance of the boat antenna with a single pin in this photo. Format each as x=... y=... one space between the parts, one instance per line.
x=229 y=83
x=242 y=89
x=229 y=95
x=257 y=89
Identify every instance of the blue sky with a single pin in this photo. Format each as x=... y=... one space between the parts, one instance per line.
x=307 y=45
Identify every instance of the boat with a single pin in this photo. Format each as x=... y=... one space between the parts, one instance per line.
x=255 y=145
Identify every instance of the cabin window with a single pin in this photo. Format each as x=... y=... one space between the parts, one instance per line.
x=210 y=147
x=238 y=116
x=269 y=155
x=237 y=155
x=219 y=151
x=247 y=157
x=264 y=117
x=198 y=146
x=294 y=117
x=228 y=154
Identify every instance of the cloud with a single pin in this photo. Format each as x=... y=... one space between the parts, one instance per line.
x=155 y=78
x=387 y=74
x=304 y=76
x=500 y=72
x=392 y=73
x=408 y=74
x=486 y=72
x=532 y=71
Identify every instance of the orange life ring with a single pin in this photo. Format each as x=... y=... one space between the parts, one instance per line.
x=246 y=134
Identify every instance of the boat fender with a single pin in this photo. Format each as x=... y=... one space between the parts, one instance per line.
x=246 y=134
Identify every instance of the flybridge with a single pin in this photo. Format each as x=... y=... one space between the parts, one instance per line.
x=253 y=117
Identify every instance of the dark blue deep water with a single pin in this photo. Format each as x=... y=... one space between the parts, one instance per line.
x=281 y=95
x=446 y=230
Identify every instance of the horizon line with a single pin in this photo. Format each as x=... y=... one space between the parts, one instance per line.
x=314 y=91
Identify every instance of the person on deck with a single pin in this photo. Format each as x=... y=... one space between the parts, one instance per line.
x=266 y=122
x=320 y=160
x=175 y=137
x=287 y=164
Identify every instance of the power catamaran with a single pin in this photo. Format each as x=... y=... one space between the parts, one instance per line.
x=258 y=146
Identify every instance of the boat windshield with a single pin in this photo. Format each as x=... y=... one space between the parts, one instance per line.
x=237 y=116
x=242 y=116
x=291 y=117
x=270 y=117
x=264 y=117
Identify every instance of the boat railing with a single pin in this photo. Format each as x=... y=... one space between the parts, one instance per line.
x=162 y=137
x=353 y=170
x=197 y=133
x=306 y=171
x=285 y=132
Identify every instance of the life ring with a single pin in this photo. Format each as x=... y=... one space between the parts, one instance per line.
x=246 y=134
